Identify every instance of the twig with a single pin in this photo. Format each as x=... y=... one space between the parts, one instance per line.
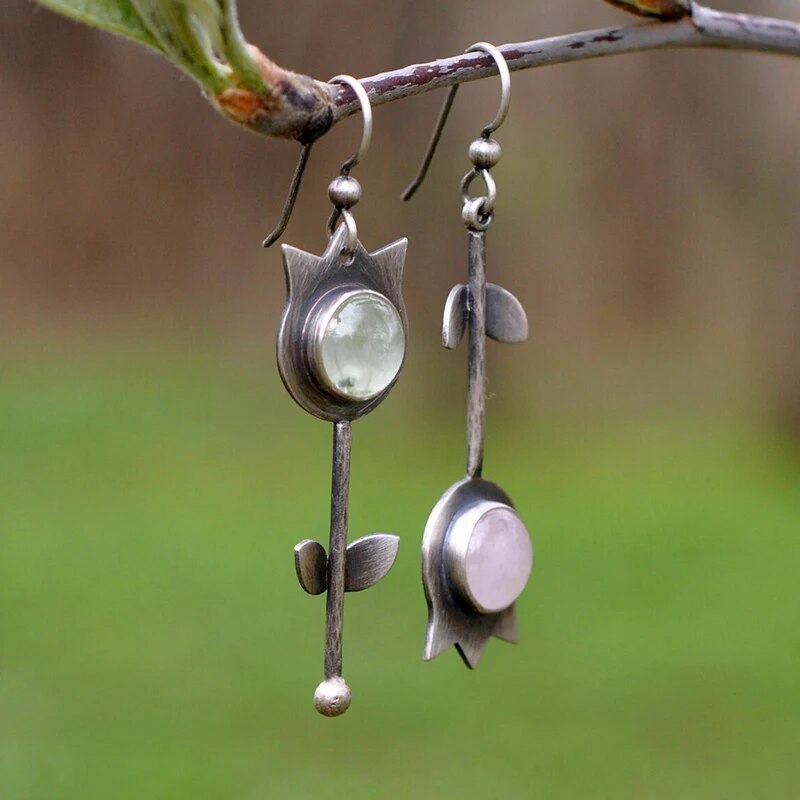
x=704 y=28
x=203 y=38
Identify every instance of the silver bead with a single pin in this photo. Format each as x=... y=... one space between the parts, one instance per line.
x=332 y=697
x=344 y=191
x=484 y=153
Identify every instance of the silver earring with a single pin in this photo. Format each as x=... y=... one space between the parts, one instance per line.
x=476 y=552
x=341 y=346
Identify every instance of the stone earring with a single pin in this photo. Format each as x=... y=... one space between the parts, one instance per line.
x=476 y=552
x=341 y=346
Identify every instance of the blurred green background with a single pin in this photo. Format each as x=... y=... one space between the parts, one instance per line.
x=154 y=475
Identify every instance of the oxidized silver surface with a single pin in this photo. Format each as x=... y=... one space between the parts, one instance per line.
x=458 y=614
x=452 y=618
x=310 y=280
x=315 y=284
x=457 y=575
x=476 y=552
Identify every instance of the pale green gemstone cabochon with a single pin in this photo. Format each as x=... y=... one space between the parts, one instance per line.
x=363 y=346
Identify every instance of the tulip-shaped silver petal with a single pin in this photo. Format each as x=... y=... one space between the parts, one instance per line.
x=476 y=560
x=326 y=299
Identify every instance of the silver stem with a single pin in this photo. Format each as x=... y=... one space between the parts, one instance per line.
x=340 y=487
x=476 y=321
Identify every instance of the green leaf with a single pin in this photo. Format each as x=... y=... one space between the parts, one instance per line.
x=236 y=50
x=185 y=32
x=116 y=16
x=202 y=37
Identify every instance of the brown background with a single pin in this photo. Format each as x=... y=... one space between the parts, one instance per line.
x=648 y=203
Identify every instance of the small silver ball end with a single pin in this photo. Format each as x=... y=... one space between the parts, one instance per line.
x=332 y=697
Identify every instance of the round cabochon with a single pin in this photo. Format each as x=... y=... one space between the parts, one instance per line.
x=357 y=344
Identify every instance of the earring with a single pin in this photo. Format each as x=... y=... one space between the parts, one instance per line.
x=476 y=552
x=341 y=346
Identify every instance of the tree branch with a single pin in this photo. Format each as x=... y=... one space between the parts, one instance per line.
x=703 y=28
x=203 y=38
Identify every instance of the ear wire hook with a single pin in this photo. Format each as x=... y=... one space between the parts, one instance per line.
x=342 y=209
x=288 y=206
x=366 y=116
x=297 y=178
x=502 y=112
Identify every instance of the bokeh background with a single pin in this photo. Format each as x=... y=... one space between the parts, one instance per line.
x=154 y=475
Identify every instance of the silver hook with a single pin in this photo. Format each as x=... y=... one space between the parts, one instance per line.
x=288 y=206
x=502 y=112
x=341 y=209
x=366 y=116
x=297 y=178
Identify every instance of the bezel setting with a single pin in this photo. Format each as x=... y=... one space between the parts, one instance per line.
x=456 y=615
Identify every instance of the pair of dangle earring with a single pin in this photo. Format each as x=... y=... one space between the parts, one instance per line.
x=341 y=346
x=476 y=552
